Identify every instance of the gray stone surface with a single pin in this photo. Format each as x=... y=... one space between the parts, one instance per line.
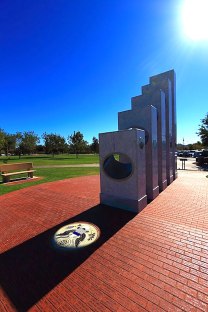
x=137 y=171
x=166 y=82
x=145 y=117
x=130 y=192
x=156 y=98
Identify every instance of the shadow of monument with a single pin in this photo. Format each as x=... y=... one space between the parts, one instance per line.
x=31 y=269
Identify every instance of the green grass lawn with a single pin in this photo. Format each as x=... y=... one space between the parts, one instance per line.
x=49 y=175
x=46 y=160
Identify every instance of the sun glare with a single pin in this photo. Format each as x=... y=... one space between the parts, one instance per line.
x=194 y=16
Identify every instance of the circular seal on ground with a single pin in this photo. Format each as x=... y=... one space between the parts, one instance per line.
x=77 y=235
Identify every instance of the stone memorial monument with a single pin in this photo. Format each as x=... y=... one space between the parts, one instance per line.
x=138 y=160
x=158 y=98
x=123 y=173
x=166 y=83
x=145 y=117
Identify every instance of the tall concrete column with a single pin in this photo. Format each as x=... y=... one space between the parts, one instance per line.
x=145 y=117
x=157 y=98
x=166 y=82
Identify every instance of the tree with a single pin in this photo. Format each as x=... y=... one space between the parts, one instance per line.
x=77 y=143
x=190 y=147
x=7 y=142
x=95 y=145
x=54 y=143
x=19 y=137
x=197 y=146
x=2 y=139
x=29 y=141
x=40 y=148
x=10 y=143
x=203 y=131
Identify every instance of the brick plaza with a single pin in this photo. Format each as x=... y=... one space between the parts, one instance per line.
x=156 y=260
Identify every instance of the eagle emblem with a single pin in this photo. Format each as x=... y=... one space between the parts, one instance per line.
x=78 y=234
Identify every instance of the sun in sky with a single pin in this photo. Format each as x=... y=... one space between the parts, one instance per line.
x=194 y=16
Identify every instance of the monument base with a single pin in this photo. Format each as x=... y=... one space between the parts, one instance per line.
x=176 y=175
x=170 y=179
x=163 y=186
x=153 y=194
x=124 y=203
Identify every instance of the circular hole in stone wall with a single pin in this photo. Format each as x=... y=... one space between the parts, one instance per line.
x=118 y=166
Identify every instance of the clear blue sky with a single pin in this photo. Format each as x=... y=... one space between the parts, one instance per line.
x=70 y=65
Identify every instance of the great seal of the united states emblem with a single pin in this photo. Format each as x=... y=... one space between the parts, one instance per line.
x=76 y=235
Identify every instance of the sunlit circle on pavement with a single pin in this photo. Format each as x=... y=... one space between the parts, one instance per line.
x=77 y=235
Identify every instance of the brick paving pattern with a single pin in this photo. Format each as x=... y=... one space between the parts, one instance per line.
x=154 y=261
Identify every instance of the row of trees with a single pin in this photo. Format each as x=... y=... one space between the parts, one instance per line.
x=195 y=146
x=28 y=143
x=203 y=130
x=202 y=133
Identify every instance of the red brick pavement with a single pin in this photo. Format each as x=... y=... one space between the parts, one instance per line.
x=154 y=261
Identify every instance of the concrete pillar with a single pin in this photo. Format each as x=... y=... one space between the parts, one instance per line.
x=156 y=98
x=145 y=117
x=123 y=169
x=166 y=82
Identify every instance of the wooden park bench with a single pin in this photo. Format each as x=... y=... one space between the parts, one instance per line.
x=8 y=170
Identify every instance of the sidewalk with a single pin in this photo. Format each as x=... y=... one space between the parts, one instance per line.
x=68 y=166
x=154 y=261
x=190 y=164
